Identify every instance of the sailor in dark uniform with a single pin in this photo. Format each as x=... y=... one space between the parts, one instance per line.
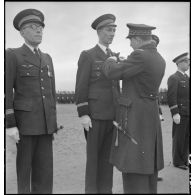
x=31 y=105
x=95 y=106
x=179 y=102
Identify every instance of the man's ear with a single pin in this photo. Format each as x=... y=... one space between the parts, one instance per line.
x=138 y=39
x=22 y=32
x=98 y=31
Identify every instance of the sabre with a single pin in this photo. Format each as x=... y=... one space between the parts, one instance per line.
x=124 y=132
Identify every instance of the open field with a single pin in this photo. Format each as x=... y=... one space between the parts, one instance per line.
x=70 y=156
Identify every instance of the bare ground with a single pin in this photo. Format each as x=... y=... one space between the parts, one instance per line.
x=70 y=156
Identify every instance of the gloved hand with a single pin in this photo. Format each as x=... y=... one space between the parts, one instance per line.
x=58 y=131
x=176 y=118
x=86 y=122
x=13 y=133
x=161 y=117
x=59 y=127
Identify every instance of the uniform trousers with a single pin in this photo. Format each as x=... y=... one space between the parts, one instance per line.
x=34 y=164
x=99 y=172
x=180 y=141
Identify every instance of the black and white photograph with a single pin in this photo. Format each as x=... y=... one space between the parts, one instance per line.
x=97 y=97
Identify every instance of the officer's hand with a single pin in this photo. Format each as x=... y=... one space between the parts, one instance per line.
x=176 y=118
x=58 y=131
x=86 y=122
x=13 y=133
x=161 y=117
x=113 y=58
x=59 y=127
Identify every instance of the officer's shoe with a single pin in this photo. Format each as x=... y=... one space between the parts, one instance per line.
x=184 y=167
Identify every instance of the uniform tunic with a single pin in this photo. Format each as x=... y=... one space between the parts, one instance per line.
x=94 y=97
x=31 y=107
x=93 y=93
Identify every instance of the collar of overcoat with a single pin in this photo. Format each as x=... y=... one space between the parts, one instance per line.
x=149 y=46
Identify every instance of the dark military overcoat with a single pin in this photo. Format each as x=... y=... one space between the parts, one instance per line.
x=30 y=92
x=141 y=73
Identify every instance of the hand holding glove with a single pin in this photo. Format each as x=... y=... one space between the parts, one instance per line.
x=59 y=127
x=86 y=122
x=13 y=133
x=161 y=117
x=176 y=118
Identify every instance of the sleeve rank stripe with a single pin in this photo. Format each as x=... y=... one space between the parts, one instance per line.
x=172 y=107
x=82 y=104
x=9 y=111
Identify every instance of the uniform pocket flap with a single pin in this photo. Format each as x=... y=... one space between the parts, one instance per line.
x=150 y=96
x=124 y=101
x=23 y=105
x=29 y=72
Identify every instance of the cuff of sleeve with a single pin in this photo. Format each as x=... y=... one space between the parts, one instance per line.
x=160 y=110
x=174 y=111
x=10 y=120
x=83 y=110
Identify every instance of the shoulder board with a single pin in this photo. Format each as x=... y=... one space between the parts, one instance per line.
x=173 y=76
x=10 y=49
x=91 y=49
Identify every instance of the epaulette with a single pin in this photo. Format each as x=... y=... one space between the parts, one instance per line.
x=10 y=49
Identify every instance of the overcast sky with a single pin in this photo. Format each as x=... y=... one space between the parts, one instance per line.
x=68 y=31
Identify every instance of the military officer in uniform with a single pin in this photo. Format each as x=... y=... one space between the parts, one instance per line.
x=31 y=105
x=137 y=149
x=179 y=101
x=95 y=106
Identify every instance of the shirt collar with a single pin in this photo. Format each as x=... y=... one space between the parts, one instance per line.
x=30 y=47
x=103 y=48
x=181 y=72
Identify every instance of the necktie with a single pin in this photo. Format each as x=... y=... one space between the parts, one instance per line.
x=37 y=53
x=186 y=75
x=108 y=52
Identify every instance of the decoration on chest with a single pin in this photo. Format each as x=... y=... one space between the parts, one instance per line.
x=49 y=73
x=27 y=65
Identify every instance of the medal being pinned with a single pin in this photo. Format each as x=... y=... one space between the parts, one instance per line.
x=48 y=72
